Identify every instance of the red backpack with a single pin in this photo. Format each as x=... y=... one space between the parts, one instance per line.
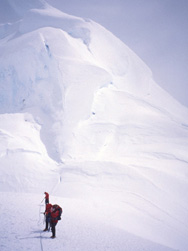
x=58 y=208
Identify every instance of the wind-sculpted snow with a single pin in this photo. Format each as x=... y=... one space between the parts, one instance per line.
x=82 y=118
x=23 y=156
x=63 y=81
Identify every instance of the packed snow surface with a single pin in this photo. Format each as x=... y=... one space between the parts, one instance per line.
x=82 y=118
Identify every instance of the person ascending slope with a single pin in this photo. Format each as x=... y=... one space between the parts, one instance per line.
x=56 y=212
x=46 y=197
x=47 y=214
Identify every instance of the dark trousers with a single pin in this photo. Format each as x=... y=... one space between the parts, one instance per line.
x=47 y=224
x=47 y=221
x=53 y=224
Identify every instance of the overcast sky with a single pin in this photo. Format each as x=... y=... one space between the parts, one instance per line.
x=156 y=30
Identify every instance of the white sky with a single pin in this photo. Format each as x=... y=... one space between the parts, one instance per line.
x=156 y=30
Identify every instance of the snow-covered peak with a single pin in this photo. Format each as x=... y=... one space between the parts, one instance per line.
x=57 y=67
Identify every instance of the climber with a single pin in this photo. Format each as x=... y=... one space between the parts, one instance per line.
x=46 y=197
x=47 y=214
x=56 y=212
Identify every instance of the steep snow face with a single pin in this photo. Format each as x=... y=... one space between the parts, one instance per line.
x=77 y=75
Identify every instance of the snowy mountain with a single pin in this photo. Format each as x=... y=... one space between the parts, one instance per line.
x=82 y=118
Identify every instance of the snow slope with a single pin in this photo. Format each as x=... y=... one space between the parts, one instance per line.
x=79 y=229
x=82 y=118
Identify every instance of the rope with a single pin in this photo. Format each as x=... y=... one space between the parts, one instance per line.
x=39 y=223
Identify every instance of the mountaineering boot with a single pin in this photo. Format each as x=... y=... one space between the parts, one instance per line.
x=45 y=229
x=52 y=237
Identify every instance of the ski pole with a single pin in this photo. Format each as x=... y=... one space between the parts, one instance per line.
x=44 y=219
x=43 y=199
